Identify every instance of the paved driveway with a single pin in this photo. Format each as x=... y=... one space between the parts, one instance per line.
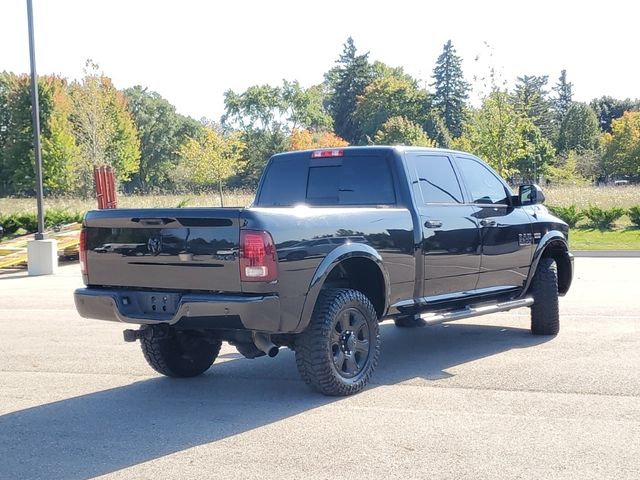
x=479 y=399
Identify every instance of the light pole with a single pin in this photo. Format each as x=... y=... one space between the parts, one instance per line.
x=42 y=255
x=35 y=113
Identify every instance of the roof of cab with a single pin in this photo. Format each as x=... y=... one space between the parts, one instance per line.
x=397 y=148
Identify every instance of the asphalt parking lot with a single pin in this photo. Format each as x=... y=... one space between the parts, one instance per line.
x=476 y=399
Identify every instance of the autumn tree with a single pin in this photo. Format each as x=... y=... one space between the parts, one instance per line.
x=209 y=160
x=307 y=139
x=607 y=109
x=451 y=89
x=60 y=153
x=622 y=146
x=103 y=128
x=401 y=131
x=17 y=161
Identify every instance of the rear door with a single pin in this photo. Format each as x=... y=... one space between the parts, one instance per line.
x=506 y=231
x=451 y=238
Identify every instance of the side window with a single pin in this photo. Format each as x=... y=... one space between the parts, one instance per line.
x=483 y=185
x=437 y=179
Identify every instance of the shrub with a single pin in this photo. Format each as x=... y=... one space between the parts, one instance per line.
x=603 y=218
x=28 y=221
x=570 y=214
x=59 y=216
x=634 y=215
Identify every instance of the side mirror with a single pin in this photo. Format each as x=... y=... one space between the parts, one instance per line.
x=530 y=195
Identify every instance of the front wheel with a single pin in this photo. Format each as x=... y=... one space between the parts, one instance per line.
x=179 y=354
x=338 y=352
x=545 y=313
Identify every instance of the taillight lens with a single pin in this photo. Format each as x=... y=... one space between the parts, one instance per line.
x=83 y=251
x=258 y=260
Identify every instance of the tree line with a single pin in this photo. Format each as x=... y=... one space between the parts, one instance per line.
x=534 y=130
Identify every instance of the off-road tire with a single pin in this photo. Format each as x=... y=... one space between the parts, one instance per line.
x=179 y=354
x=316 y=353
x=545 y=314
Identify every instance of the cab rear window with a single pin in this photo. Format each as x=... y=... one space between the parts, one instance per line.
x=349 y=180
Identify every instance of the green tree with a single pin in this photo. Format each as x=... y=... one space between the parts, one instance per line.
x=536 y=152
x=506 y=139
x=344 y=84
x=59 y=149
x=401 y=131
x=387 y=97
x=209 y=160
x=16 y=134
x=103 y=127
x=267 y=116
x=579 y=129
x=564 y=99
x=607 y=109
x=304 y=108
x=622 y=146
x=17 y=163
x=530 y=99
x=258 y=113
x=451 y=89
x=161 y=131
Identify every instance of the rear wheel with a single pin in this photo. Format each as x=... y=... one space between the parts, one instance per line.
x=179 y=354
x=545 y=313
x=339 y=351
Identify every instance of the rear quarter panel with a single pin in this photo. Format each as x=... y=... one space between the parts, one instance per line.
x=389 y=231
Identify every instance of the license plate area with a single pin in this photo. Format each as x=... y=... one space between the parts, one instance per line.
x=149 y=304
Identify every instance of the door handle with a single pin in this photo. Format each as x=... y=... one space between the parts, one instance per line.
x=488 y=223
x=433 y=223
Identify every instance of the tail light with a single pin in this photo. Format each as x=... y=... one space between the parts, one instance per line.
x=83 y=251
x=258 y=261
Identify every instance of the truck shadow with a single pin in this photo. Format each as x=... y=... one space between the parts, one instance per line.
x=102 y=432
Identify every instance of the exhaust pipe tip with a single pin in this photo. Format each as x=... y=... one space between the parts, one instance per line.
x=264 y=343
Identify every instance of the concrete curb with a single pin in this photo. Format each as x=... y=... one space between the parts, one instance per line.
x=606 y=253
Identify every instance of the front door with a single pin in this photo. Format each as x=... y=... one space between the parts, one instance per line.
x=451 y=238
x=506 y=231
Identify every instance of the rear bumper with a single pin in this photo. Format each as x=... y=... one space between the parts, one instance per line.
x=205 y=311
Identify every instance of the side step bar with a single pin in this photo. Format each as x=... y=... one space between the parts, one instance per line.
x=468 y=312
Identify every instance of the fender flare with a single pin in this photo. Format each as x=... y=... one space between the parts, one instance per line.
x=333 y=258
x=553 y=238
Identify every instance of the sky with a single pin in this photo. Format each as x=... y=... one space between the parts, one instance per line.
x=192 y=51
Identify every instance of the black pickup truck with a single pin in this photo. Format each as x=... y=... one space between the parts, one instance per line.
x=336 y=241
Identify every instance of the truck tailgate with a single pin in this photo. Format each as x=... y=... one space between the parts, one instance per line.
x=176 y=249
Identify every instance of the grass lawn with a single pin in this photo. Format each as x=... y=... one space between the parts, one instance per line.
x=590 y=239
